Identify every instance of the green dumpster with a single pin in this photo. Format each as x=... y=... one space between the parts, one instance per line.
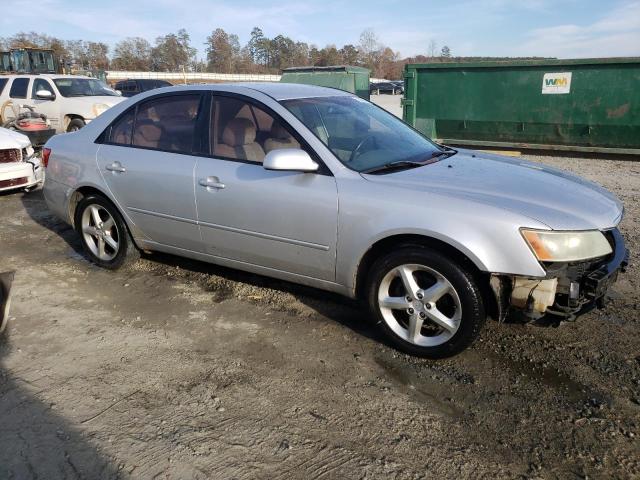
x=347 y=78
x=590 y=105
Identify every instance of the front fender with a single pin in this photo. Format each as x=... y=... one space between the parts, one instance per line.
x=488 y=236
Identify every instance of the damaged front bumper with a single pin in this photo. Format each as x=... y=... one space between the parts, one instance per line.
x=23 y=174
x=567 y=289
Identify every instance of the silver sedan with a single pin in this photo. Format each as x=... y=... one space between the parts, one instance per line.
x=319 y=187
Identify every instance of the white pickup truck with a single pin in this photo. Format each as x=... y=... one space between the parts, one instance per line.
x=68 y=101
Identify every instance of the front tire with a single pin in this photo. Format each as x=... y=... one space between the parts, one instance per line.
x=425 y=304
x=75 y=124
x=103 y=233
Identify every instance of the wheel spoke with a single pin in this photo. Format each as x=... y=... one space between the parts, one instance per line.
x=90 y=231
x=394 y=303
x=108 y=224
x=415 y=325
x=101 y=252
x=437 y=317
x=111 y=242
x=95 y=215
x=435 y=292
x=410 y=285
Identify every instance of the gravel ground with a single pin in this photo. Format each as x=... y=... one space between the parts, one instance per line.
x=391 y=103
x=178 y=369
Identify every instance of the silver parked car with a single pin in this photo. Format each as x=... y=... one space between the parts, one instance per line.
x=322 y=188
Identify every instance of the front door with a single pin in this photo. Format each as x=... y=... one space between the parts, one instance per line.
x=285 y=221
x=51 y=107
x=148 y=165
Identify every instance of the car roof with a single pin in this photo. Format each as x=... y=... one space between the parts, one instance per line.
x=134 y=79
x=44 y=75
x=276 y=90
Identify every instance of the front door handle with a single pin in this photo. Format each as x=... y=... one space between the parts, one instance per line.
x=116 y=167
x=211 y=182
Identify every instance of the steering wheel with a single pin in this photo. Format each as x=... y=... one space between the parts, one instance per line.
x=363 y=142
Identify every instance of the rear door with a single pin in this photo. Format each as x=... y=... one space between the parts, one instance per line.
x=147 y=162
x=285 y=221
x=18 y=93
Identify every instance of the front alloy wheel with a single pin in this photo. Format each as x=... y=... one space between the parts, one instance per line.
x=419 y=305
x=425 y=304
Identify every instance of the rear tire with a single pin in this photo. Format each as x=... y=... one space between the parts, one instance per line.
x=103 y=233
x=425 y=304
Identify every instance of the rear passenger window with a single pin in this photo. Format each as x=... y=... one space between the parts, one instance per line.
x=243 y=131
x=121 y=130
x=3 y=82
x=19 y=88
x=167 y=123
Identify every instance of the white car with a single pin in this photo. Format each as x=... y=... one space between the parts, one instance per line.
x=69 y=101
x=19 y=165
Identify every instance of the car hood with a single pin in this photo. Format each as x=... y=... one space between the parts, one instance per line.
x=12 y=139
x=84 y=105
x=558 y=199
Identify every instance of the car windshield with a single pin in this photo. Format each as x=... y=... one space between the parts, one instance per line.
x=362 y=136
x=83 y=87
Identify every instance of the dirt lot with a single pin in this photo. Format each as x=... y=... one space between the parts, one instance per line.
x=178 y=369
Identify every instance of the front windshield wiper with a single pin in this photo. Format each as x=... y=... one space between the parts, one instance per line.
x=406 y=164
x=449 y=152
x=400 y=165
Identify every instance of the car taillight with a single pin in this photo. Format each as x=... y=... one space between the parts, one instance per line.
x=45 y=156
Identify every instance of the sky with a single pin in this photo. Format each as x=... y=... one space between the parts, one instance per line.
x=554 y=28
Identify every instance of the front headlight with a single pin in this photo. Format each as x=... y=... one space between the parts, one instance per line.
x=99 y=108
x=550 y=246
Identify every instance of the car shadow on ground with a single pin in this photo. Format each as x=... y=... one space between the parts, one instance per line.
x=350 y=313
x=36 y=207
x=38 y=443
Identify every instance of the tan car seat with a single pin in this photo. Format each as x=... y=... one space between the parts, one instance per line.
x=279 y=138
x=239 y=141
x=146 y=134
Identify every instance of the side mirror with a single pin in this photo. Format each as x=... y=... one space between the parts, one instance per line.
x=119 y=92
x=45 y=95
x=289 y=159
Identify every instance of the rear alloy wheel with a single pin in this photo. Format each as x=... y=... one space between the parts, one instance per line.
x=426 y=305
x=104 y=235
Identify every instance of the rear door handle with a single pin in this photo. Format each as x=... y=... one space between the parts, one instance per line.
x=116 y=167
x=211 y=182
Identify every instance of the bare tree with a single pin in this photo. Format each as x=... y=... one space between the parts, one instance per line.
x=132 y=54
x=219 y=52
x=172 y=52
x=432 y=50
x=349 y=54
x=97 y=55
x=369 y=48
